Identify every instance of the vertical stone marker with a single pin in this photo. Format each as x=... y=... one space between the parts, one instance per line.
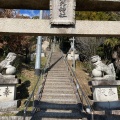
x=62 y=12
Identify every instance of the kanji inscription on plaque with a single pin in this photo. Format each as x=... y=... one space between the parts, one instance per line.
x=62 y=12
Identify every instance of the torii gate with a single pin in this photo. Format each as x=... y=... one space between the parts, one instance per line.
x=57 y=24
x=42 y=27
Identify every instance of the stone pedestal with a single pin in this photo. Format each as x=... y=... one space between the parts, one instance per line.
x=105 y=94
x=42 y=54
x=8 y=92
x=70 y=56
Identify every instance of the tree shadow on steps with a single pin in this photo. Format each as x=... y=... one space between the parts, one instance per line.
x=53 y=65
x=43 y=106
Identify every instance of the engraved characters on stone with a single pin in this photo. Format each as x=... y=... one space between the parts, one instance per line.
x=62 y=12
x=62 y=8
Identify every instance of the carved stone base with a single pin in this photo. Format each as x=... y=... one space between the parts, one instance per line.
x=105 y=90
x=9 y=105
x=70 y=57
x=105 y=93
x=112 y=105
x=8 y=87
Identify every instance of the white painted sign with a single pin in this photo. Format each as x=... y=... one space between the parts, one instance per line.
x=62 y=12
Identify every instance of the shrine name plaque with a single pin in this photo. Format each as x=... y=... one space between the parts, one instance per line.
x=62 y=12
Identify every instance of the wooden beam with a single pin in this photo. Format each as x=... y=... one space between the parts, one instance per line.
x=81 y=5
x=42 y=27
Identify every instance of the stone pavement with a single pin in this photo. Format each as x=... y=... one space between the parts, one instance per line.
x=59 y=100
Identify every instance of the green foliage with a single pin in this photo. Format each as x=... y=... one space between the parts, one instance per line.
x=109 y=45
x=87 y=67
x=113 y=16
x=111 y=42
x=100 y=51
x=43 y=62
x=35 y=17
x=95 y=48
x=118 y=88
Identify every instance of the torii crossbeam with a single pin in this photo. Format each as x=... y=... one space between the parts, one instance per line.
x=43 y=28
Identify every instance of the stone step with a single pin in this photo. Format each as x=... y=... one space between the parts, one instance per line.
x=58 y=87
x=58 y=72
x=45 y=105
x=58 y=69
x=45 y=118
x=43 y=114
x=59 y=78
x=60 y=94
x=60 y=111
x=65 y=91
x=59 y=101
x=59 y=81
x=57 y=84
x=63 y=97
x=57 y=75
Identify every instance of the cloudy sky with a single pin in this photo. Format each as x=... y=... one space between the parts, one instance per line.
x=30 y=13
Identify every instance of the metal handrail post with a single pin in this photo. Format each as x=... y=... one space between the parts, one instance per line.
x=24 y=115
x=33 y=101
x=82 y=101
x=33 y=92
x=92 y=115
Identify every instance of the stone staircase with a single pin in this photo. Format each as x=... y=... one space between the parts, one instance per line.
x=59 y=100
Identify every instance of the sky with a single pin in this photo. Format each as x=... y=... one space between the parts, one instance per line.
x=30 y=13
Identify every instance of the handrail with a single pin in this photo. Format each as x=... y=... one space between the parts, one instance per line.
x=33 y=92
x=80 y=89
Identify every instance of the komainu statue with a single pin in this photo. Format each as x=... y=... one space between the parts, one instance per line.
x=7 y=64
x=102 y=71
